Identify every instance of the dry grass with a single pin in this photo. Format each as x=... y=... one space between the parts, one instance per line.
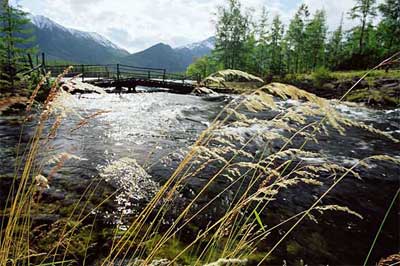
x=234 y=235
x=7 y=102
x=254 y=180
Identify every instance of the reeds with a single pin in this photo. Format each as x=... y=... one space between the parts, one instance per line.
x=238 y=181
x=255 y=180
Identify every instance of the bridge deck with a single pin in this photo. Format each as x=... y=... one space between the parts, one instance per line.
x=122 y=76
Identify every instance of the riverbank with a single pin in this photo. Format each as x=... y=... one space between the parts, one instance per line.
x=380 y=89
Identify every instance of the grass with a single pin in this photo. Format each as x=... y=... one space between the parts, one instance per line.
x=235 y=235
x=389 y=97
x=392 y=74
x=348 y=75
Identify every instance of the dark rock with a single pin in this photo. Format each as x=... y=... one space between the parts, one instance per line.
x=329 y=86
x=52 y=195
x=42 y=219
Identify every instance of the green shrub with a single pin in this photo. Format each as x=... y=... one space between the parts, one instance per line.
x=321 y=75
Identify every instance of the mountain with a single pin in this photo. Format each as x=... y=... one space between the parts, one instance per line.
x=191 y=52
x=174 y=60
x=62 y=43
x=158 y=56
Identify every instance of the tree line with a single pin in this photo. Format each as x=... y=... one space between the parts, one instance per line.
x=266 y=46
x=15 y=43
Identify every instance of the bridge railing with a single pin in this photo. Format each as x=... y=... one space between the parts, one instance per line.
x=116 y=72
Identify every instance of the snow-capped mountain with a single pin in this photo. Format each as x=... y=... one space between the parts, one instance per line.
x=62 y=43
x=191 y=52
x=206 y=44
x=44 y=23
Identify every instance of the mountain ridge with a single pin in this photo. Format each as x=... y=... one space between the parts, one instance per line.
x=66 y=44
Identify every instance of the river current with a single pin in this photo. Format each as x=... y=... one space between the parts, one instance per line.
x=156 y=129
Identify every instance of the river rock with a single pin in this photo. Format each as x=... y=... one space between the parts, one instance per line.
x=44 y=219
x=203 y=91
x=50 y=195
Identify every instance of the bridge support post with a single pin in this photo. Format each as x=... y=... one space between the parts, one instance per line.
x=118 y=89
x=43 y=59
x=83 y=73
x=118 y=72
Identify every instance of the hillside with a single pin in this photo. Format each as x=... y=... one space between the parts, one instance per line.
x=62 y=43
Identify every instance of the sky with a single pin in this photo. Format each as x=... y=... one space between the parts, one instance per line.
x=138 y=24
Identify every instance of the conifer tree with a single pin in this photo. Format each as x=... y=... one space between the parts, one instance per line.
x=276 y=45
x=295 y=38
x=364 y=10
x=233 y=33
x=262 y=50
x=390 y=26
x=315 y=33
x=335 y=47
x=14 y=41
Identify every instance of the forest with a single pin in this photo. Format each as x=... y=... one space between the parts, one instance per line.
x=266 y=46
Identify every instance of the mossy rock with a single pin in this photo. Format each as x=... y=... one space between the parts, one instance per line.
x=385 y=97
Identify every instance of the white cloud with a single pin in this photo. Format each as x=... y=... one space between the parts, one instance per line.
x=138 y=24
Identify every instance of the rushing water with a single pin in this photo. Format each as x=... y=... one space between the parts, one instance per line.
x=155 y=129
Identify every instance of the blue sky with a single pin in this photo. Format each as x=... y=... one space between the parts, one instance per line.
x=138 y=24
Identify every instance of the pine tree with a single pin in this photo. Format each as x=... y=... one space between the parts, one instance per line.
x=364 y=10
x=335 y=47
x=315 y=33
x=233 y=33
x=390 y=26
x=276 y=46
x=262 y=50
x=14 y=38
x=295 y=39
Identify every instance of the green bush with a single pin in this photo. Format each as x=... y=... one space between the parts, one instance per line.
x=321 y=75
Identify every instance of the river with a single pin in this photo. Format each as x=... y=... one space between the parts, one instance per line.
x=156 y=129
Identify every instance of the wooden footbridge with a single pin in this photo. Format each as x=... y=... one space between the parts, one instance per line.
x=123 y=78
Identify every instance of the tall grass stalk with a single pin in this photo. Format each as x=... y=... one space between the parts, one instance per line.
x=231 y=236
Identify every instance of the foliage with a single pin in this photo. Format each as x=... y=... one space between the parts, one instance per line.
x=321 y=75
x=264 y=48
x=389 y=27
x=364 y=10
x=203 y=67
x=295 y=40
x=233 y=34
x=315 y=33
x=14 y=40
x=335 y=47
x=276 y=46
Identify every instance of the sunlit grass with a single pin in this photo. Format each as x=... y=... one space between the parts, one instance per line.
x=350 y=75
x=233 y=236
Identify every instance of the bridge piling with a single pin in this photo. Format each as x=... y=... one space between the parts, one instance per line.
x=83 y=72
x=118 y=72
